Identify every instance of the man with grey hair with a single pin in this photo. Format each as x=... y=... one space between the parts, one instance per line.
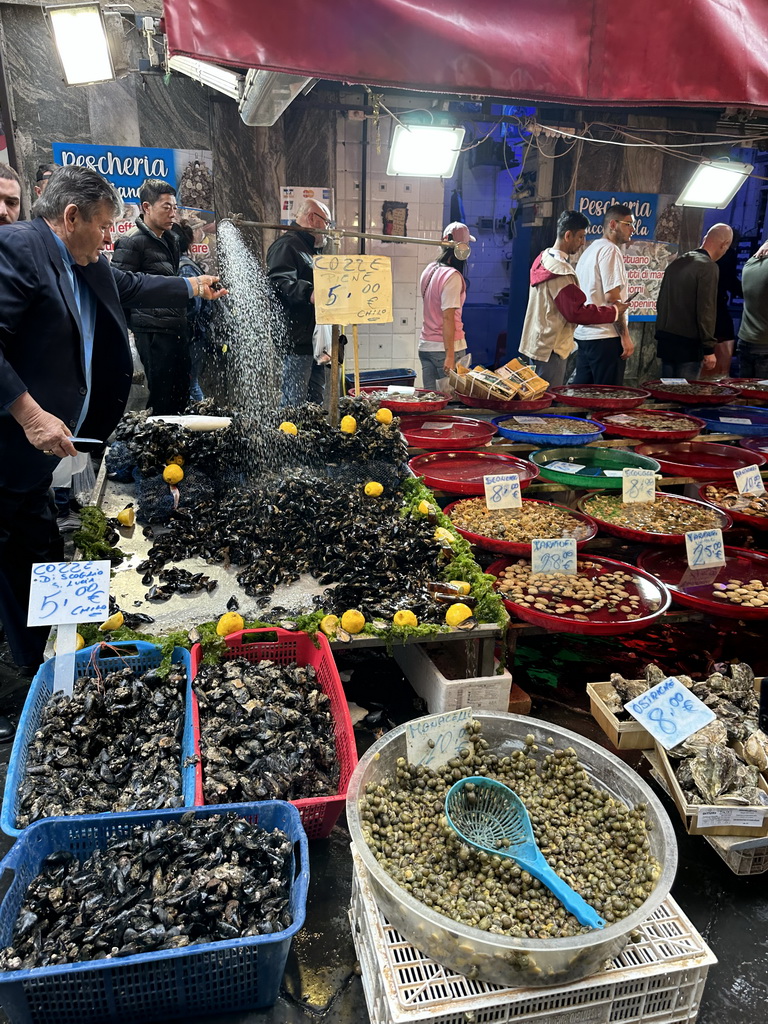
x=65 y=366
x=10 y=195
x=686 y=309
x=290 y=269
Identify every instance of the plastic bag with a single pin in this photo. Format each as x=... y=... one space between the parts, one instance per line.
x=322 y=343
x=444 y=385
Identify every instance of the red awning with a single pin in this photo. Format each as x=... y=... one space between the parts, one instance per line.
x=597 y=52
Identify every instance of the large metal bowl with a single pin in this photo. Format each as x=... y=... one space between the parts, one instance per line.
x=496 y=958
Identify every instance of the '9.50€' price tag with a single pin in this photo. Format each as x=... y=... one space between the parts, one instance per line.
x=556 y=554
x=704 y=548
x=638 y=485
x=670 y=712
x=748 y=480
x=503 y=491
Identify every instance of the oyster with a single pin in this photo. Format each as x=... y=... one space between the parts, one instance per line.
x=714 y=771
x=756 y=750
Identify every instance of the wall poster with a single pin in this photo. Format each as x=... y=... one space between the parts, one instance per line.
x=292 y=196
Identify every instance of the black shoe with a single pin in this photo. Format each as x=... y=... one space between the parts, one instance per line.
x=7 y=730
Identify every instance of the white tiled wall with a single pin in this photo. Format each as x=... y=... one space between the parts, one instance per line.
x=486 y=194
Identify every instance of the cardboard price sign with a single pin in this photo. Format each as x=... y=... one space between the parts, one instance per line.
x=436 y=739
x=748 y=480
x=670 y=712
x=554 y=555
x=353 y=289
x=704 y=548
x=503 y=491
x=638 y=485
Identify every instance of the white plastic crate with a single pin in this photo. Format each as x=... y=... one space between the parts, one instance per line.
x=481 y=693
x=657 y=980
x=743 y=858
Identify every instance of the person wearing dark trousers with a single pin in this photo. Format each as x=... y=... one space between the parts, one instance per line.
x=151 y=247
x=65 y=366
x=752 y=349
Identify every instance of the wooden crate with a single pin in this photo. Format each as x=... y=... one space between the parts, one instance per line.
x=623 y=735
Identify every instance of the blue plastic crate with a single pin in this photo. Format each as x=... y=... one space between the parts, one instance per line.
x=217 y=977
x=146 y=656
x=403 y=376
x=549 y=440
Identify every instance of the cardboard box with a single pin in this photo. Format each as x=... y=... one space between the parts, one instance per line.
x=628 y=735
x=482 y=383
x=529 y=383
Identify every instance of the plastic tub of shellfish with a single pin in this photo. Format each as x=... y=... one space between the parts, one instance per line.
x=535 y=430
x=627 y=525
x=320 y=813
x=498 y=958
x=653 y=425
x=589 y=467
x=512 y=406
x=742 y=508
x=214 y=977
x=745 y=420
x=580 y=526
x=91 y=661
x=692 y=392
x=422 y=400
x=600 y=396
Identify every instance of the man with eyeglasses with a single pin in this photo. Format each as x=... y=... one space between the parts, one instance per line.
x=603 y=279
x=161 y=334
x=291 y=271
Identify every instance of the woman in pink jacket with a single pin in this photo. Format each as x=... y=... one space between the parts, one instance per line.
x=443 y=289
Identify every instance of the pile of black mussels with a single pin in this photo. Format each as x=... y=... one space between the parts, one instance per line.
x=167 y=885
x=266 y=732
x=114 y=745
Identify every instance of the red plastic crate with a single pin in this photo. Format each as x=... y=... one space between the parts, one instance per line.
x=318 y=814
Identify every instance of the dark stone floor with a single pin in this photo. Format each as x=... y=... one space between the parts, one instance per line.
x=321 y=983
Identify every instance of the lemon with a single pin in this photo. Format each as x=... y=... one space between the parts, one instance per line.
x=175 y=460
x=442 y=534
x=425 y=508
x=384 y=416
x=126 y=516
x=462 y=586
x=230 y=622
x=113 y=622
x=353 y=621
x=329 y=624
x=288 y=428
x=79 y=643
x=173 y=474
x=405 y=618
x=348 y=425
x=457 y=613
x=373 y=489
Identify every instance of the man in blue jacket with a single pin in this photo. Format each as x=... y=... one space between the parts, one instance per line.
x=65 y=366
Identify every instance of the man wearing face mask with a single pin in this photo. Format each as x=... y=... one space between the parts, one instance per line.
x=290 y=269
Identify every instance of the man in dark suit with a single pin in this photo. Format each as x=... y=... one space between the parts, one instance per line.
x=65 y=366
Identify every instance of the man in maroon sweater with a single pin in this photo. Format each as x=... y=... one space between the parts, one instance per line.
x=556 y=303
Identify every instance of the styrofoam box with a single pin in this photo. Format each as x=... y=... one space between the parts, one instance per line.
x=659 y=979
x=481 y=693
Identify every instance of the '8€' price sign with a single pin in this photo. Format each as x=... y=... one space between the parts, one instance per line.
x=670 y=712
x=503 y=491
x=704 y=548
x=638 y=485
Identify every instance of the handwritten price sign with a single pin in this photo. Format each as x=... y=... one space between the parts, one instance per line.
x=673 y=380
x=436 y=739
x=704 y=548
x=353 y=289
x=638 y=485
x=670 y=712
x=566 y=467
x=554 y=555
x=748 y=480
x=64 y=592
x=503 y=491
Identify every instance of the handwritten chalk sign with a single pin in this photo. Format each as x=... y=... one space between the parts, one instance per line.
x=353 y=289
x=748 y=480
x=556 y=554
x=436 y=739
x=503 y=491
x=670 y=712
x=673 y=380
x=62 y=594
x=637 y=485
x=704 y=548
x=565 y=467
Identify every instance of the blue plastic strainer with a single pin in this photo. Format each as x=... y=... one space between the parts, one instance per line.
x=490 y=816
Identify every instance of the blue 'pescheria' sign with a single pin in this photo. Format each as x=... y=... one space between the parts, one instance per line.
x=125 y=166
x=643 y=205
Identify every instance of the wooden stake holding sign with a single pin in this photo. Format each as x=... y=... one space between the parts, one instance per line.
x=62 y=594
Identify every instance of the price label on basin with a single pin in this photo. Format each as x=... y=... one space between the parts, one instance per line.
x=670 y=712
x=638 y=485
x=748 y=480
x=704 y=548
x=566 y=467
x=436 y=739
x=673 y=380
x=556 y=554
x=503 y=491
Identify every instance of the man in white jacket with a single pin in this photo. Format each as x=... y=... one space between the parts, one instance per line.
x=556 y=303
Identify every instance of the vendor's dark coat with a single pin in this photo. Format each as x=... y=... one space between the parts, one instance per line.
x=141 y=251
x=41 y=347
x=290 y=268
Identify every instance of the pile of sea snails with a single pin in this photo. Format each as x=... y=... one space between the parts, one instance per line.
x=592 y=840
x=521 y=525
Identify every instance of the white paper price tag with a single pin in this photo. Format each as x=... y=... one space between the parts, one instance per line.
x=748 y=480
x=613 y=472
x=733 y=419
x=530 y=421
x=704 y=548
x=673 y=380
x=711 y=817
x=503 y=491
x=436 y=425
x=436 y=739
x=400 y=389
x=63 y=592
x=638 y=485
x=700 y=577
x=670 y=712
x=565 y=467
x=620 y=418
x=556 y=554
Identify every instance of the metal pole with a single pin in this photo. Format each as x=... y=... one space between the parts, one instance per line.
x=344 y=232
x=333 y=402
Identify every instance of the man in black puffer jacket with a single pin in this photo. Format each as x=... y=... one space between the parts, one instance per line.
x=161 y=334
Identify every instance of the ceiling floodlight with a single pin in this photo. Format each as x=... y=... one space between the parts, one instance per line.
x=220 y=79
x=424 y=151
x=81 y=41
x=714 y=184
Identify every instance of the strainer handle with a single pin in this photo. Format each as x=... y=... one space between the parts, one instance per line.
x=581 y=910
